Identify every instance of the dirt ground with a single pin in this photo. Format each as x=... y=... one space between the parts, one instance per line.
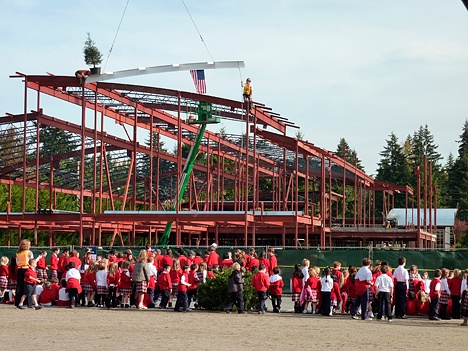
x=54 y=328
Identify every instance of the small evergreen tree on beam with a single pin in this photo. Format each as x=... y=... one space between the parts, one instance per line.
x=92 y=55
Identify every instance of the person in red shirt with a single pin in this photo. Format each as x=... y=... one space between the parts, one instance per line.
x=74 y=257
x=276 y=289
x=227 y=260
x=182 y=298
x=264 y=260
x=4 y=273
x=273 y=260
x=197 y=259
x=47 y=297
x=454 y=285
x=54 y=262
x=213 y=257
x=296 y=287
x=193 y=281
x=63 y=261
x=165 y=285
x=175 y=274
x=30 y=281
x=113 y=281
x=313 y=283
x=125 y=286
x=168 y=259
x=88 y=283
x=182 y=259
x=41 y=269
x=261 y=283
x=434 y=294
x=253 y=263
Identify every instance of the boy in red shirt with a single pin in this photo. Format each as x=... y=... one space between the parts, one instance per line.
x=261 y=283
x=276 y=289
x=434 y=294
x=30 y=281
x=182 y=298
x=165 y=285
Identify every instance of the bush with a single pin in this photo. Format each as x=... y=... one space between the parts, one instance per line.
x=213 y=295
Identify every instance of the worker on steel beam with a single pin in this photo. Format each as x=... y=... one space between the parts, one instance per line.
x=82 y=74
x=247 y=93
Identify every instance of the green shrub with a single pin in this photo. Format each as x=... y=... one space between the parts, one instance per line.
x=213 y=295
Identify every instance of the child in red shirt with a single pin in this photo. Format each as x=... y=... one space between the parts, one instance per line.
x=54 y=263
x=41 y=269
x=125 y=286
x=175 y=274
x=261 y=283
x=88 y=283
x=4 y=273
x=165 y=285
x=113 y=280
x=30 y=281
x=311 y=285
x=48 y=296
x=276 y=290
x=296 y=287
x=434 y=294
x=182 y=298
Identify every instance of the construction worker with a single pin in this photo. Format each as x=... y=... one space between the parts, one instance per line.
x=247 y=92
x=82 y=74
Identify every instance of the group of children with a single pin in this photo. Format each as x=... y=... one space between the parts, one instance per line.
x=375 y=290
x=110 y=282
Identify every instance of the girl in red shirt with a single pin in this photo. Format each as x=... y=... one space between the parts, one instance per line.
x=175 y=274
x=125 y=286
x=41 y=269
x=88 y=283
x=113 y=280
x=296 y=287
x=311 y=285
x=54 y=263
x=3 y=276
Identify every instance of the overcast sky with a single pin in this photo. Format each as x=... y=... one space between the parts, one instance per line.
x=357 y=69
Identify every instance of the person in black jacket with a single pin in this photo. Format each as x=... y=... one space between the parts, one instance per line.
x=236 y=289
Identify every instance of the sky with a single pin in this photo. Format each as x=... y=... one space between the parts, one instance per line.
x=353 y=69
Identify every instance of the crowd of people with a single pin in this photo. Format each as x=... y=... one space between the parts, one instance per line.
x=121 y=280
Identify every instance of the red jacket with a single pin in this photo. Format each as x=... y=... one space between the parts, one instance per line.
x=226 y=263
x=335 y=293
x=193 y=281
x=41 y=263
x=54 y=262
x=260 y=281
x=175 y=275
x=167 y=260
x=182 y=260
x=164 y=281
x=212 y=259
x=4 y=271
x=113 y=280
x=125 y=281
x=296 y=284
x=276 y=288
x=313 y=282
x=266 y=262
x=62 y=263
x=273 y=263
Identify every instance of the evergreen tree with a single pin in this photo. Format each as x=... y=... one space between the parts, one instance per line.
x=394 y=167
x=422 y=144
x=457 y=188
x=351 y=154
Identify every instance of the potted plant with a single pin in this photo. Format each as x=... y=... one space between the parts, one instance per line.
x=92 y=55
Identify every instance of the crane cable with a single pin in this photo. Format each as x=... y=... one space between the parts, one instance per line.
x=203 y=41
x=118 y=28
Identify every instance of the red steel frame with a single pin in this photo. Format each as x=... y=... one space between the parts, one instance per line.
x=285 y=216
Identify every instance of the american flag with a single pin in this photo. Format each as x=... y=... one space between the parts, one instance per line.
x=199 y=80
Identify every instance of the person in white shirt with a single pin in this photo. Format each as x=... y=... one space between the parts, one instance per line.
x=384 y=285
x=327 y=286
x=363 y=281
x=401 y=277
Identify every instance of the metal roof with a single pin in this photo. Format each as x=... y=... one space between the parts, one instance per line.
x=441 y=217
